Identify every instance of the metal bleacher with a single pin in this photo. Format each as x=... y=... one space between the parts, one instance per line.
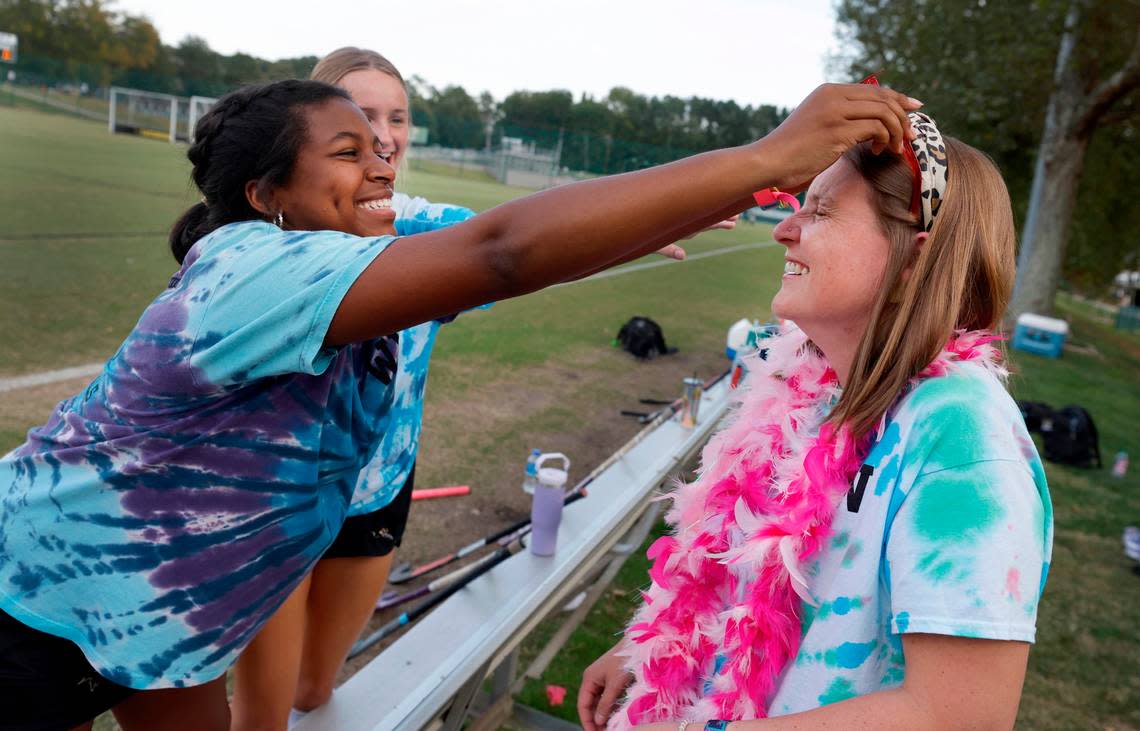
x=458 y=667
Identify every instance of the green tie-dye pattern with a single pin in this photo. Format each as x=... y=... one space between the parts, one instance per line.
x=954 y=507
x=934 y=565
x=809 y=615
x=959 y=435
x=893 y=676
x=840 y=690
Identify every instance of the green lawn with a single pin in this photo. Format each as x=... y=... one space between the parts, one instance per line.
x=83 y=222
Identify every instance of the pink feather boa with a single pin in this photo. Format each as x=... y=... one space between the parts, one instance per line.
x=761 y=507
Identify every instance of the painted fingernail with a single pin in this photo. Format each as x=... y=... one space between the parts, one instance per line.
x=913 y=102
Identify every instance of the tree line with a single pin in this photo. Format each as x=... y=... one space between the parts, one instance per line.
x=87 y=41
x=1047 y=88
x=1003 y=76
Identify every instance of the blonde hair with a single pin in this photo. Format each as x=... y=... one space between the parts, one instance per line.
x=343 y=61
x=961 y=277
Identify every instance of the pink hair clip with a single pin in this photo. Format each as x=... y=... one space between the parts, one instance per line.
x=775 y=196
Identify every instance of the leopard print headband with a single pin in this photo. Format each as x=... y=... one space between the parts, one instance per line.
x=930 y=153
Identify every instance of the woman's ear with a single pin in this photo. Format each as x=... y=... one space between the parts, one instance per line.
x=258 y=200
x=904 y=276
x=919 y=242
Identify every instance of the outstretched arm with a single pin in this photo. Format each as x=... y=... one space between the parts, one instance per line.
x=567 y=232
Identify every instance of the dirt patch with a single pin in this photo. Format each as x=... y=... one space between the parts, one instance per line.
x=24 y=408
x=479 y=434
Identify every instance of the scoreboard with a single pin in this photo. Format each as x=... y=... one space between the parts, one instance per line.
x=8 y=44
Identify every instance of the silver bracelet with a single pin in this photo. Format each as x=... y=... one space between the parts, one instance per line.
x=682 y=725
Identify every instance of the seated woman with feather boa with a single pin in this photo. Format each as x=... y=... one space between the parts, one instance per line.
x=868 y=538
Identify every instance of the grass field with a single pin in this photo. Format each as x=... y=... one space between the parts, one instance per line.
x=83 y=220
x=83 y=244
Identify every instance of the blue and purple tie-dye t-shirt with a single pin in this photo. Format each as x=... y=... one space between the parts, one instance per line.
x=951 y=534
x=162 y=515
x=388 y=470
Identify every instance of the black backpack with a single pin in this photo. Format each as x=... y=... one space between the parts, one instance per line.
x=1035 y=413
x=1071 y=438
x=643 y=338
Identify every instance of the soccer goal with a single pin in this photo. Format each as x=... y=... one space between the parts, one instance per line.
x=145 y=113
x=155 y=115
x=198 y=106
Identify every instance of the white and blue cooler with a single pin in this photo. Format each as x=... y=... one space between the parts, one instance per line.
x=1040 y=335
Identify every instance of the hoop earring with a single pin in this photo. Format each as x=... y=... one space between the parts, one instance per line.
x=279 y=220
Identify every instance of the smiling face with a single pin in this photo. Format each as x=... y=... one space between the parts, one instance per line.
x=837 y=254
x=385 y=104
x=339 y=181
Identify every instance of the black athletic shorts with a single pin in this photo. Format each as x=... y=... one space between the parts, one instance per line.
x=377 y=533
x=46 y=684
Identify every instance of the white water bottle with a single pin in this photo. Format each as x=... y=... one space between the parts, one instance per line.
x=530 y=476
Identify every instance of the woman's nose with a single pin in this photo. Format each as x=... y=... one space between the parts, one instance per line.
x=381 y=170
x=384 y=134
x=787 y=232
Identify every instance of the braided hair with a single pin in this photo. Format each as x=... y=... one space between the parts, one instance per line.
x=254 y=133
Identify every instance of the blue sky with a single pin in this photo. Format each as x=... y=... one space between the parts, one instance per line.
x=753 y=51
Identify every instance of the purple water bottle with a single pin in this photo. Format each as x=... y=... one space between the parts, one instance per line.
x=546 y=505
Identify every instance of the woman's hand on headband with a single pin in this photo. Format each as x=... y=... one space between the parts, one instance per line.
x=830 y=121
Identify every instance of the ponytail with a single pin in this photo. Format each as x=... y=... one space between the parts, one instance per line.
x=188 y=229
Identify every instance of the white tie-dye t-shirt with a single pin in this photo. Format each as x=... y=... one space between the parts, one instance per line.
x=387 y=472
x=948 y=529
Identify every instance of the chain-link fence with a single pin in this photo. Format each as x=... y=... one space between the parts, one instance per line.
x=159 y=105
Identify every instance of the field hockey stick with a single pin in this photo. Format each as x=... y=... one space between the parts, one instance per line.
x=669 y=407
x=422 y=608
x=405 y=572
x=391 y=599
x=644 y=416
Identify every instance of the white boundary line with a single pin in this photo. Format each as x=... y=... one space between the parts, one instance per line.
x=90 y=369
x=666 y=262
x=45 y=377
